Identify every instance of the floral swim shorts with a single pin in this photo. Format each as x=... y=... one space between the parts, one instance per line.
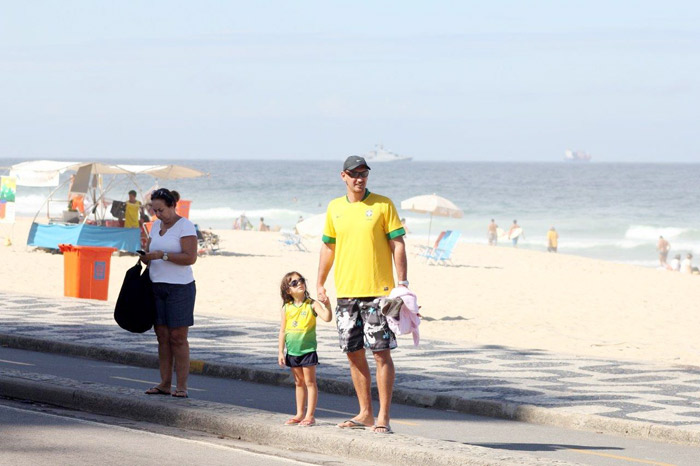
x=362 y=325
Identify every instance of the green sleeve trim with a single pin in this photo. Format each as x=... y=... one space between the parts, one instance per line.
x=328 y=239
x=396 y=233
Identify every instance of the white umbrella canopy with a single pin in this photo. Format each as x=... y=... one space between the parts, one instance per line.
x=434 y=205
x=168 y=172
x=312 y=226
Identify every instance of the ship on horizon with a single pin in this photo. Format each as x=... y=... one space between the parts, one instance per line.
x=379 y=154
x=576 y=156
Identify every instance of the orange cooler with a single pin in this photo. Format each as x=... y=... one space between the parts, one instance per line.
x=183 y=208
x=86 y=271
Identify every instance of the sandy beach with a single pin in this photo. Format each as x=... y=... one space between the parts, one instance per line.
x=491 y=296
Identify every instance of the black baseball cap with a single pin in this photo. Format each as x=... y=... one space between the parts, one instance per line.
x=353 y=162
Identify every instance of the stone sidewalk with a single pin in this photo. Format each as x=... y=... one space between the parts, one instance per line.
x=628 y=398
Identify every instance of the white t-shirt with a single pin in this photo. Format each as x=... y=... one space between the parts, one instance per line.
x=676 y=265
x=165 y=271
x=687 y=266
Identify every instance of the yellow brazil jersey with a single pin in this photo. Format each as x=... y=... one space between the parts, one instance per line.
x=131 y=216
x=361 y=232
x=300 y=328
x=553 y=238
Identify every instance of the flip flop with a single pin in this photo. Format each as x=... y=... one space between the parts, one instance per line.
x=307 y=423
x=156 y=391
x=180 y=394
x=387 y=429
x=292 y=421
x=353 y=424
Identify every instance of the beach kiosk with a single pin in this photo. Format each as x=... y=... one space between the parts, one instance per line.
x=82 y=218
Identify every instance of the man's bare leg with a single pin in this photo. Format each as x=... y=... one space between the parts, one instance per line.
x=386 y=374
x=362 y=381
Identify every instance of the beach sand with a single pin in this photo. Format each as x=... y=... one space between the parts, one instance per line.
x=491 y=296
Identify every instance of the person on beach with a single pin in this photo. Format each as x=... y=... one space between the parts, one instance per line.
x=242 y=223
x=263 y=226
x=675 y=263
x=663 y=247
x=515 y=239
x=362 y=234
x=492 y=233
x=172 y=249
x=552 y=240
x=687 y=264
x=298 y=336
x=132 y=212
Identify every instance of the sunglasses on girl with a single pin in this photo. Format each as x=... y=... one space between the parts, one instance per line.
x=297 y=282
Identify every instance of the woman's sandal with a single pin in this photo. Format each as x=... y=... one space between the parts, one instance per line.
x=180 y=394
x=307 y=423
x=292 y=421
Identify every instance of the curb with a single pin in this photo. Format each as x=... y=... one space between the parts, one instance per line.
x=497 y=409
x=254 y=426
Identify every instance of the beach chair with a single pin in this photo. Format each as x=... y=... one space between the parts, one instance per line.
x=207 y=241
x=443 y=253
x=292 y=241
x=424 y=251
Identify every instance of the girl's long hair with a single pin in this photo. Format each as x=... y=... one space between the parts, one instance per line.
x=284 y=288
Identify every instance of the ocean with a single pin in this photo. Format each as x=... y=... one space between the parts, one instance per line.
x=614 y=212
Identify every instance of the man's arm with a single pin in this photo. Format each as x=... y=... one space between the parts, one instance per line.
x=325 y=263
x=398 y=249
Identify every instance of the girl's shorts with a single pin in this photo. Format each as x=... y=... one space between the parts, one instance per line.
x=174 y=304
x=305 y=360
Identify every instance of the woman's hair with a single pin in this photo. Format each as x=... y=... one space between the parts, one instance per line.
x=170 y=198
x=284 y=288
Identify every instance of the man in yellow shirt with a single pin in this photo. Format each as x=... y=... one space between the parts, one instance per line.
x=132 y=214
x=552 y=240
x=362 y=234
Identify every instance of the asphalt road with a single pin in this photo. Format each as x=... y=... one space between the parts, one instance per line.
x=541 y=441
x=35 y=434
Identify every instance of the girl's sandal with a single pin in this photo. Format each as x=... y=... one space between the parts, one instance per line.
x=307 y=423
x=292 y=421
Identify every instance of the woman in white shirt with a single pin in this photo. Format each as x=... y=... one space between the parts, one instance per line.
x=687 y=264
x=172 y=249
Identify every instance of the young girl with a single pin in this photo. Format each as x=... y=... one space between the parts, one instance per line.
x=298 y=334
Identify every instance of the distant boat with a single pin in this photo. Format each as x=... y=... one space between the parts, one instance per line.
x=379 y=154
x=576 y=156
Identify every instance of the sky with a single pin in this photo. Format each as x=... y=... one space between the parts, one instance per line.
x=436 y=80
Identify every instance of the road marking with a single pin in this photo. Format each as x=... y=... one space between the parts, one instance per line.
x=393 y=420
x=148 y=382
x=617 y=457
x=15 y=362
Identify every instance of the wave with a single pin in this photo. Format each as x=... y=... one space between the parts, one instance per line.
x=652 y=233
x=29 y=204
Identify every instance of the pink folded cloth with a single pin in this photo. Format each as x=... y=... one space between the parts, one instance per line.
x=408 y=319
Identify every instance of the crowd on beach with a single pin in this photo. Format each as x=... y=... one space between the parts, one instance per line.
x=516 y=232
x=677 y=264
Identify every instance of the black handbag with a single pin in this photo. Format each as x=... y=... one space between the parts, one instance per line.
x=135 y=310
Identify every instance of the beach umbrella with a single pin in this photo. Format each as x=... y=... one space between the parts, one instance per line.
x=312 y=226
x=434 y=205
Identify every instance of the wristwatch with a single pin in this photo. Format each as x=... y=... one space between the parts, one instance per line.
x=165 y=256
x=403 y=282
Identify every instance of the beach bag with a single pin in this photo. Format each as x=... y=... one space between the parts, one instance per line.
x=136 y=307
x=118 y=209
